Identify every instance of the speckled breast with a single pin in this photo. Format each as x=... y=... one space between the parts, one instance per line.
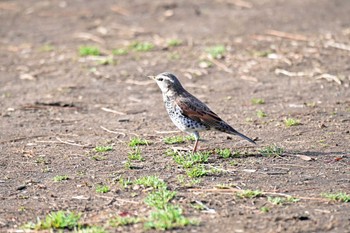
x=182 y=122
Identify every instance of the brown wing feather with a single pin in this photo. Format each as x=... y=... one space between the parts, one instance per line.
x=198 y=111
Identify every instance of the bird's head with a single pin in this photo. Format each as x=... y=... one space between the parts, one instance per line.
x=167 y=82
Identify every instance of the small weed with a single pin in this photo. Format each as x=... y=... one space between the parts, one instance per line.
x=119 y=52
x=223 y=186
x=249 y=194
x=151 y=181
x=264 y=209
x=216 y=171
x=263 y=53
x=171 y=152
x=183 y=181
x=89 y=51
x=168 y=219
x=142 y=46
x=91 y=229
x=224 y=153
x=47 y=48
x=249 y=119
x=123 y=221
x=291 y=122
x=138 y=142
x=227 y=153
x=197 y=171
x=135 y=155
x=102 y=189
x=174 y=56
x=340 y=196
x=281 y=200
x=207 y=64
x=125 y=182
x=174 y=140
x=98 y=157
x=174 y=42
x=311 y=104
x=56 y=220
x=197 y=206
x=233 y=163
x=128 y=165
x=60 y=178
x=257 y=101
x=160 y=199
x=42 y=160
x=272 y=151
x=106 y=61
x=261 y=114
x=216 y=52
x=103 y=148
x=188 y=160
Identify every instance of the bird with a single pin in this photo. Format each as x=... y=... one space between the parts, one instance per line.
x=187 y=112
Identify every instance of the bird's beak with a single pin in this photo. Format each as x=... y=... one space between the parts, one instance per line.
x=152 y=77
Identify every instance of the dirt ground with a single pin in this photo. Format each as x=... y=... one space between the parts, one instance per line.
x=56 y=106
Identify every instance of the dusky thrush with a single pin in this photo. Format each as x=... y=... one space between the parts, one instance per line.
x=187 y=112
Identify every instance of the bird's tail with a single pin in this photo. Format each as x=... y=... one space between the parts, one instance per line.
x=245 y=137
x=224 y=127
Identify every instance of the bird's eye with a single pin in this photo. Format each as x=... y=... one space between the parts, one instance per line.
x=160 y=79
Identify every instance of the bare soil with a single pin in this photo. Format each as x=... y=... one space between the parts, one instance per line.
x=56 y=106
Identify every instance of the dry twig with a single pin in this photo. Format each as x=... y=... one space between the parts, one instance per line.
x=112 y=111
x=70 y=143
x=110 y=131
x=286 y=35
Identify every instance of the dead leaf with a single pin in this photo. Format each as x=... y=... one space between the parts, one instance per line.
x=305 y=157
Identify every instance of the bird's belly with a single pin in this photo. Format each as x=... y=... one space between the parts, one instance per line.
x=184 y=123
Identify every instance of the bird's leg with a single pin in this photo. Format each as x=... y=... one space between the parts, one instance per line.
x=196 y=135
x=195 y=147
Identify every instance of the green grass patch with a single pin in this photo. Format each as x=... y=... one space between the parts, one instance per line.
x=249 y=194
x=123 y=221
x=151 y=181
x=261 y=114
x=60 y=178
x=282 y=200
x=197 y=171
x=106 y=61
x=340 y=196
x=103 y=148
x=166 y=219
x=47 y=48
x=89 y=51
x=262 y=53
x=136 y=141
x=265 y=209
x=56 y=220
x=141 y=46
x=125 y=182
x=91 y=229
x=216 y=52
x=135 y=155
x=174 y=42
x=272 y=151
x=188 y=160
x=291 y=122
x=227 y=153
x=257 y=101
x=177 y=139
x=160 y=199
x=102 y=189
x=119 y=52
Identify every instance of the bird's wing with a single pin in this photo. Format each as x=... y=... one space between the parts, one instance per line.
x=198 y=111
